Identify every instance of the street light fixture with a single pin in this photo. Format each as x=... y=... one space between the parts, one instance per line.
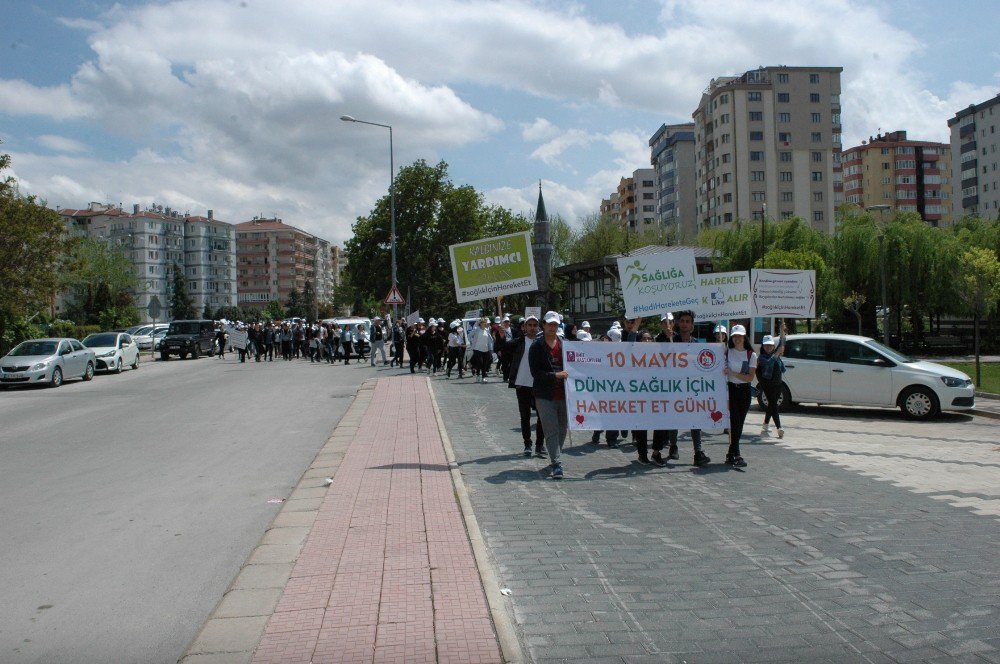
x=392 y=200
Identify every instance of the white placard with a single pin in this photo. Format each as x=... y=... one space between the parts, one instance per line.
x=783 y=293
x=645 y=385
x=413 y=318
x=533 y=311
x=473 y=313
x=724 y=295
x=658 y=283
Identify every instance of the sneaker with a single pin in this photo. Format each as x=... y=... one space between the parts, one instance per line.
x=643 y=459
x=557 y=473
x=596 y=438
x=613 y=443
x=672 y=453
x=541 y=454
x=657 y=459
x=527 y=451
x=737 y=462
x=781 y=433
x=701 y=459
x=765 y=431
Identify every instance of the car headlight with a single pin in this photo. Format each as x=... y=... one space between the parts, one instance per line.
x=956 y=382
x=40 y=366
x=108 y=354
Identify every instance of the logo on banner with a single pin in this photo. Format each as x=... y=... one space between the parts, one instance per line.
x=707 y=360
x=580 y=358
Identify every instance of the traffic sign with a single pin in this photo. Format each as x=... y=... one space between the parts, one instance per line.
x=394 y=296
x=155 y=308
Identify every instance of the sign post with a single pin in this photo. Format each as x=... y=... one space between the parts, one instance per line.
x=154 y=309
x=394 y=297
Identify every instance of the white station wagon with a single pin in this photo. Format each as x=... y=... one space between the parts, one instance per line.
x=850 y=370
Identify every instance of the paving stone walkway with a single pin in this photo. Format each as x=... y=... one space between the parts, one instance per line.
x=857 y=538
x=387 y=573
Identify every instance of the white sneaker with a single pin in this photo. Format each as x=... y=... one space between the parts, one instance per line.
x=765 y=431
x=781 y=433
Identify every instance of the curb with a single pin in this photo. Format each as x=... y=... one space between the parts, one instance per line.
x=511 y=648
x=233 y=630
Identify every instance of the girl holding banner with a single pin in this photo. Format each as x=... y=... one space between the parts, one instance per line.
x=741 y=363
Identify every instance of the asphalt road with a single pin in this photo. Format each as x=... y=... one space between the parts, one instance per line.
x=128 y=504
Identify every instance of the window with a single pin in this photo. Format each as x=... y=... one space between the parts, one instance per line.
x=758 y=155
x=756 y=116
x=885 y=165
x=817 y=176
x=785 y=176
x=787 y=197
x=727 y=198
x=726 y=177
x=784 y=117
x=886 y=180
x=756 y=136
x=785 y=156
x=817 y=215
x=816 y=137
x=816 y=117
x=817 y=157
x=785 y=136
x=756 y=176
x=814 y=78
x=814 y=97
x=782 y=78
x=757 y=196
x=782 y=97
x=817 y=196
x=725 y=118
x=753 y=96
x=726 y=158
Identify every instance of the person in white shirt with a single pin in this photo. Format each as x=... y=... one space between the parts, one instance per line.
x=583 y=334
x=481 y=341
x=741 y=363
x=522 y=381
x=615 y=333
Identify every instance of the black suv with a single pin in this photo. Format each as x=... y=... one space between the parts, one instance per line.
x=188 y=337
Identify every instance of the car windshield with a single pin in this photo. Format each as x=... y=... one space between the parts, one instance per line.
x=142 y=330
x=893 y=355
x=100 y=340
x=27 y=348
x=184 y=328
x=159 y=333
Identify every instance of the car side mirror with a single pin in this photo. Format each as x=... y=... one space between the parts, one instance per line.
x=880 y=362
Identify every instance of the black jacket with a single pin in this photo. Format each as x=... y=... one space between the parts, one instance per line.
x=542 y=371
x=516 y=348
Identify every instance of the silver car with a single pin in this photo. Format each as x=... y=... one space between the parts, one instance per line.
x=114 y=350
x=46 y=361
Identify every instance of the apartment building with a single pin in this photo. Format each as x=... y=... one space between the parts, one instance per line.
x=158 y=239
x=891 y=172
x=672 y=157
x=975 y=178
x=637 y=200
x=610 y=207
x=275 y=258
x=768 y=143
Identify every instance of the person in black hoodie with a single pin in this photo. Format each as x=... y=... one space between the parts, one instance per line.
x=521 y=380
x=549 y=389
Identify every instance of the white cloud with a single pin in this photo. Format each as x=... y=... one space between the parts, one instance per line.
x=569 y=203
x=539 y=130
x=19 y=97
x=61 y=143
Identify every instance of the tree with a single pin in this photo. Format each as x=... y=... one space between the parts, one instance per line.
x=563 y=238
x=293 y=308
x=604 y=236
x=853 y=303
x=309 y=302
x=98 y=277
x=181 y=303
x=31 y=247
x=229 y=313
x=980 y=280
x=207 y=312
x=274 y=311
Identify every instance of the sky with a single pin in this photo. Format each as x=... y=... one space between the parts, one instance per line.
x=234 y=105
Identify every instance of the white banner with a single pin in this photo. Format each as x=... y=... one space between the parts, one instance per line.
x=473 y=313
x=533 y=311
x=237 y=338
x=645 y=386
x=658 y=283
x=724 y=295
x=413 y=318
x=783 y=293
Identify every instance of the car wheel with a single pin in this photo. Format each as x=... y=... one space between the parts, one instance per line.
x=118 y=365
x=89 y=373
x=57 y=377
x=135 y=365
x=183 y=356
x=196 y=353
x=164 y=357
x=919 y=403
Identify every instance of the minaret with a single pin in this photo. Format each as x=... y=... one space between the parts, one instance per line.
x=542 y=249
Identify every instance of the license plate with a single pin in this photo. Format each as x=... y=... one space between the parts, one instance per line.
x=12 y=376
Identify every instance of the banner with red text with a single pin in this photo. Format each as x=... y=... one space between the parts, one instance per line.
x=645 y=385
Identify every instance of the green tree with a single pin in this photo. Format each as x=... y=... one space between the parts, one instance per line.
x=602 y=236
x=274 y=311
x=31 y=248
x=563 y=238
x=229 y=313
x=207 y=312
x=979 y=277
x=181 y=303
x=294 y=308
x=309 y=301
x=98 y=277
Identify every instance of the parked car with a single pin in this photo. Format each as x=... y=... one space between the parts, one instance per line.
x=138 y=329
x=114 y=350
x=46 y=361
x=850 y=370
x=188 y=337
x=144 y=337
x=157 y=337
x=357 y=349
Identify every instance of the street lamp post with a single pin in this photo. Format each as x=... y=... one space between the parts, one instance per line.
x=392 y=201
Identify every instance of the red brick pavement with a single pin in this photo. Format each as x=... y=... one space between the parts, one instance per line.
x=387 y=573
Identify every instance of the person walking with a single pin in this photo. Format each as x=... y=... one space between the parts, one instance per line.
x=398 y=342
x=549 y=389
x=741 y=364
x=456 y=348
x=378 y=341
x=347 y=341
x=523 y=382
x=220 y=340
x=361 y=341
x=481 y=342
x=684 y=322
x=769 y=381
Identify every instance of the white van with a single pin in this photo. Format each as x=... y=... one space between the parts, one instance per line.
x=352 y=322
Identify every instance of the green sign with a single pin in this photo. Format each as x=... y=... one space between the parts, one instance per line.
x=494 y=266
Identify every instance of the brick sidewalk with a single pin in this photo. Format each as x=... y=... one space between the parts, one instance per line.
x=387 y=573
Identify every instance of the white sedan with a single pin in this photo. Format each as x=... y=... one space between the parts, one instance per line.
x=113 y=350
x=850 y=370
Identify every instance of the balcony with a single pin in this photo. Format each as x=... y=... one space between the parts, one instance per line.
x=967 y=129
x=970 y=201
x=968 y=147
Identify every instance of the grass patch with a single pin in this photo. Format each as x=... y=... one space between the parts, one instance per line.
x=990 y=373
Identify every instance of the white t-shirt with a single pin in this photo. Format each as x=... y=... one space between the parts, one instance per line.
x=583 y=335
x=454 y=340
x=524 y=378
x=735 y=359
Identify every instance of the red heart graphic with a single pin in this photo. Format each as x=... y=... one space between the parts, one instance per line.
x=716 y=415
x=580 y=419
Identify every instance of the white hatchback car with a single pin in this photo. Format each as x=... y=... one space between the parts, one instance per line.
x=850 y=370
x=113 y=350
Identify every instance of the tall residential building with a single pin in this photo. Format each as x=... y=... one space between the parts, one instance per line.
x=275 y=258
x=905 y=175
x=974 y=139
x=672 y=157
x=610 y=206
x=157 y=240
x=768 y=143
x=637 y=200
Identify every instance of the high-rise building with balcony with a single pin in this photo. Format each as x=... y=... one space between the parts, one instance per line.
x=768 y=142
x=275 y=258
x=905 y=175
x=158 y=240
x=974 y=139
x=672 y=157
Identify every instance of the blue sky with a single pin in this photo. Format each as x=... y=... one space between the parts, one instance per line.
x=233 y=105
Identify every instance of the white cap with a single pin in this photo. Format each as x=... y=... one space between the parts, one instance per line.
x=551 y=317
x=586 y=325
x=768 y=340
x=529 y=317
x=666 y=316
x=377 y=318
x=421 y=320
x=720 y=328
x=738 y=330
x=497 y=319
x=616 y=325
